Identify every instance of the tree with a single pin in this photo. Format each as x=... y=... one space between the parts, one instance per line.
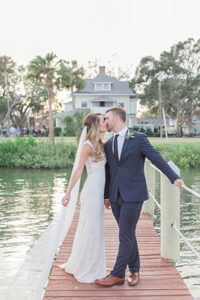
x=30 y=102
x=74 y=124
x=121 y=73
x=25 y=97
x=44 y=70
x=180 y=85
x=7 y=66
x=70 y=77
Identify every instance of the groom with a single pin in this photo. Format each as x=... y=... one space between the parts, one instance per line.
x=126 y=190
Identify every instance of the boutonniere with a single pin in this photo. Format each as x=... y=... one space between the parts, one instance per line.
x=129 y=135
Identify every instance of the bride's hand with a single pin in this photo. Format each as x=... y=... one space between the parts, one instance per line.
x=65 y=199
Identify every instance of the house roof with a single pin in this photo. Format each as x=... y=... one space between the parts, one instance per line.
x=117 y=87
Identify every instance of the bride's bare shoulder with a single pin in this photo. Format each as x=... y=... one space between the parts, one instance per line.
x=87 y=142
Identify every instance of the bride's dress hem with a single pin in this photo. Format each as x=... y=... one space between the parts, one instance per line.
x=87 y=260
x=83 y=280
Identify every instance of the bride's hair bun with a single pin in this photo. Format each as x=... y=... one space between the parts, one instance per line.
x=91 y=119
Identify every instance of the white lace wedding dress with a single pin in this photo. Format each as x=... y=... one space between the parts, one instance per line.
x=87 y=260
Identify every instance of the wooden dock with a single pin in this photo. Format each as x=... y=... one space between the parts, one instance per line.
x=159 y=280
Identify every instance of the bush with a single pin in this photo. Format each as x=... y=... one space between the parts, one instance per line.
x=70 y=129
x=155 y=130
x=149 y=132
x=142 y=130
x=57 y=131
x=27 y=153
x=74 y=124
x=183 y=155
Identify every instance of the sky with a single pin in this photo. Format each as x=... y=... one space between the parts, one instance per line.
x=96 y=29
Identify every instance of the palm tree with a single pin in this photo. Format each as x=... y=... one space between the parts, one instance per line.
x=44 y=70
x=7 y=66
x=71 y=77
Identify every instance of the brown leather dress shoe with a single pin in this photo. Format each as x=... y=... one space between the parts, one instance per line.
x=109 y=281
x=133 y=279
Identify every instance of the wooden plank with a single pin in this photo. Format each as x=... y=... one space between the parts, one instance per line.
x=135 y=297
x=159 y=279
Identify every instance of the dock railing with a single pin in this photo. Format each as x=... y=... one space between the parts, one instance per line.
x=169 y=206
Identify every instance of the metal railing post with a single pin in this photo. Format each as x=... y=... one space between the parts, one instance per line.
x=148 y=206
x=170 y=213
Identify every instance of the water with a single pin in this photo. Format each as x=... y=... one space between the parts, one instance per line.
x=30 y=198
x=188 y=265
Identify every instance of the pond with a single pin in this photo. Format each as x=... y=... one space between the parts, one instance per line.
x=29 y=199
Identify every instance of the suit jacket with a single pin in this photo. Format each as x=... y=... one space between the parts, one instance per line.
x=127 y=174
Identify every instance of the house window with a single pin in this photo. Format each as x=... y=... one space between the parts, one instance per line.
x=102 y=104
x=84 y=103
x=102 y=86
x=109 y=103
x=106 y=86
x=121 y=104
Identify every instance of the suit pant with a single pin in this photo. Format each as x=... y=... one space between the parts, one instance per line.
x=127 y=215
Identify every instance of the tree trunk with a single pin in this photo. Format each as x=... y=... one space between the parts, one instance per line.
x=73 y=100
x=178 y=124
x=16 y=100
x=49 y=84
x=190 y=127
x=7 y=97
x=22 y=120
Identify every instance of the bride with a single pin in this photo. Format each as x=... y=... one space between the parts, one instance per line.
x=87 y=259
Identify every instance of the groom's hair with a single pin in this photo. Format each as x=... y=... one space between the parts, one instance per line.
x=118 y=111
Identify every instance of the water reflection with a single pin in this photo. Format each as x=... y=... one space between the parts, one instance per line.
x=28 y=201
x=30 y=198
x=188 y=266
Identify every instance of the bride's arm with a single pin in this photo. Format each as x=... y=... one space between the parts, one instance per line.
x=85 y=153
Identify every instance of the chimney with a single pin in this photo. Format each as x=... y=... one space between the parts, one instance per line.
x=102 y=69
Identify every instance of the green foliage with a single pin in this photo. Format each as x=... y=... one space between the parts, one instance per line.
x=183 y=155
x=57 y=131
x=74 y=124
x=70 y=75
x=142 y=130
x=149 y=132
x=135 y=128
x=179 y=68
x=28 y=153
x=70 y=129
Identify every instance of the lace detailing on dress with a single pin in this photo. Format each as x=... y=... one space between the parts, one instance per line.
x=87 y=260
x=93 y=166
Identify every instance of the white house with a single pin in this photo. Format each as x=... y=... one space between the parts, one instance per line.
x=101 y=93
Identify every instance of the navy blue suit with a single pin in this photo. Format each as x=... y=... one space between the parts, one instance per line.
x=126 y=188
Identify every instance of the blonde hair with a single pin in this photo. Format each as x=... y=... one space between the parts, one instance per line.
x=92 y=122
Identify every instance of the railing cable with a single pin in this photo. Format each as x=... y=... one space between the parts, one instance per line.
x=196 y=194
x=185 y=240
x=154 y=199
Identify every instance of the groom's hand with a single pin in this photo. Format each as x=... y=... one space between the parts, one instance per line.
x=107 y=203
x=178 y=183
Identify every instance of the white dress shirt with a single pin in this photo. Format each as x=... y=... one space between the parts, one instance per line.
x=120 y=140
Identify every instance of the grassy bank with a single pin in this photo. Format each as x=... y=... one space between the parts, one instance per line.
x=39 y=153
x=186 y=155
x=30 y=153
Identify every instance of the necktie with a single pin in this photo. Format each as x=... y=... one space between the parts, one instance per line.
x=116 y=147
